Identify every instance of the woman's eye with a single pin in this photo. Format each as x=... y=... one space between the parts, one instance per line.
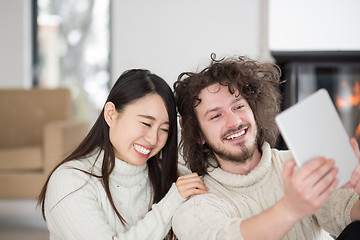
x=146 y=124
x=165 y=130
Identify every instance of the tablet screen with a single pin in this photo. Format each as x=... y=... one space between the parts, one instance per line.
x=312 y=128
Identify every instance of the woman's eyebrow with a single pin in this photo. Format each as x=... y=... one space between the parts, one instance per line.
x=151 y=118
x=146 y=116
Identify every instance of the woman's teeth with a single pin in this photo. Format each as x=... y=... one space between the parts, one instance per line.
x=236 y=135
x=141 y=149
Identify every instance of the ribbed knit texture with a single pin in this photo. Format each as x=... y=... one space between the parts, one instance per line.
x=233 y=198
x=76 y=205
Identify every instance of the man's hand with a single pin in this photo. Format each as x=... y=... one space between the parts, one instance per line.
x=309 y=187
x=355 y=177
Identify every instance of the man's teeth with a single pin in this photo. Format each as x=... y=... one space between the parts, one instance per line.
x=236 y=135
x=141 y=149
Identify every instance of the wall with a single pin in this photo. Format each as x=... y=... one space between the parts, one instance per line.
x=169 y=37
x=15 y=44
x=309 y=25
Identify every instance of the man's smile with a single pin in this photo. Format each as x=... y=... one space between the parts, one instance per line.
x=236 y=135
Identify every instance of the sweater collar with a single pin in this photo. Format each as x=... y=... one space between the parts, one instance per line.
x=121 y=167
x=237 y=180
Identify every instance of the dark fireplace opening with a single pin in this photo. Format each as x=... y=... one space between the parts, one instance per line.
x=337 y=72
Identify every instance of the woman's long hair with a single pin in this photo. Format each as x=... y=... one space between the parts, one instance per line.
x=131 y=85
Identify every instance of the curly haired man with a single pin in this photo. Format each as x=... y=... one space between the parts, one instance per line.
x=228 y=136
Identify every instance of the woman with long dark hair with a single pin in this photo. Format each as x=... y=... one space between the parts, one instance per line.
x=122 y=181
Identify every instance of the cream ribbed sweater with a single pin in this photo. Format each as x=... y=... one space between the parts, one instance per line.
x=76 y=206
x=233 y=198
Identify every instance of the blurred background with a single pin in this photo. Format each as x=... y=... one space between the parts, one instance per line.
x=84 y=45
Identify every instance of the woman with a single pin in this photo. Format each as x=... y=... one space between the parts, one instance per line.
x=119 y=182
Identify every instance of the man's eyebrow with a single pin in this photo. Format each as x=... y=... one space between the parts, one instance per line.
x=211 y=110
x=237 y=99
x=151 y=118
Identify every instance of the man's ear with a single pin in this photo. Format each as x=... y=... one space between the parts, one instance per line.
x=180 y=121
x=202 y=140
x=110 y=113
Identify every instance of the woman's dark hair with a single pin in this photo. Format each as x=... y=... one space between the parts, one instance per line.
x=131 y=85
x=256 y=82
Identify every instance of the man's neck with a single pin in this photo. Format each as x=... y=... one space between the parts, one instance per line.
x=241 y=168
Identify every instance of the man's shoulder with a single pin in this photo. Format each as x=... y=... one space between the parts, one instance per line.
x=281 y=155
x=206 y=200
x=183 y=169
x=200 y=215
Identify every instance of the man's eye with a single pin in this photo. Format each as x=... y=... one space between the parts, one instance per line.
x=239 y=107
x=146 y=124
x=214 y=117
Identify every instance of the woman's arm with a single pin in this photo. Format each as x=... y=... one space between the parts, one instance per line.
x=76 y=208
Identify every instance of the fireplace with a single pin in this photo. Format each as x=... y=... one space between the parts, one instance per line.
x=338 y=72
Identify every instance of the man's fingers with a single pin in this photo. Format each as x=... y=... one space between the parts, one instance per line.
x=355 y=146
x=325 y=182
x=324 y=170
x=307 y=172
x=288 y=168
x=328 y=191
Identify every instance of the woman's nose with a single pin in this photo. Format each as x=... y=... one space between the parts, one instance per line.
x=151 y=137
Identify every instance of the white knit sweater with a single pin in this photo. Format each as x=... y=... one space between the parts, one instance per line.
x=233 y=198
x=76 y=206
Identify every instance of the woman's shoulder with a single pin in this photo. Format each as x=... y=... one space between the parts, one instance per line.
x=75 y=172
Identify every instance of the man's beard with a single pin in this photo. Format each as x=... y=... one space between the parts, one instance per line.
x=239 y=157
x=245 y=154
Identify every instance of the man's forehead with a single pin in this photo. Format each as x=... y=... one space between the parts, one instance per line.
x=216 y=88
x=215 y=93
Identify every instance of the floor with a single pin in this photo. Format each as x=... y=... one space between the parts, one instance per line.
x=21 y=219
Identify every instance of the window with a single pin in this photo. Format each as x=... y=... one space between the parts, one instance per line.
x=72 y=49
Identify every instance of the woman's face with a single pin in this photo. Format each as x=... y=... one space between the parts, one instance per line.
x=140 y=131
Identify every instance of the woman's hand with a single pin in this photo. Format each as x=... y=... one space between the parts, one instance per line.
x=190 y=184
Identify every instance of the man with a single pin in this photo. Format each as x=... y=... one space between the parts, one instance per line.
x=228 y=130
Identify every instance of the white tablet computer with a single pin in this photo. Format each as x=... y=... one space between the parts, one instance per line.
x=312 y=128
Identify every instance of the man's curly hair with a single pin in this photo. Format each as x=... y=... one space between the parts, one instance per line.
x=257 y=82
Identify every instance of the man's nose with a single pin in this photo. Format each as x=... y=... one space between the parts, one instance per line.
x=232 y=120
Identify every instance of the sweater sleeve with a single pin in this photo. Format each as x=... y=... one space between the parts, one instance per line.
x=74 y=209
x=334 y=214
x=206 y=217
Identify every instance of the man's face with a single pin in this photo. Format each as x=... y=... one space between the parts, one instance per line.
x=227 y=123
